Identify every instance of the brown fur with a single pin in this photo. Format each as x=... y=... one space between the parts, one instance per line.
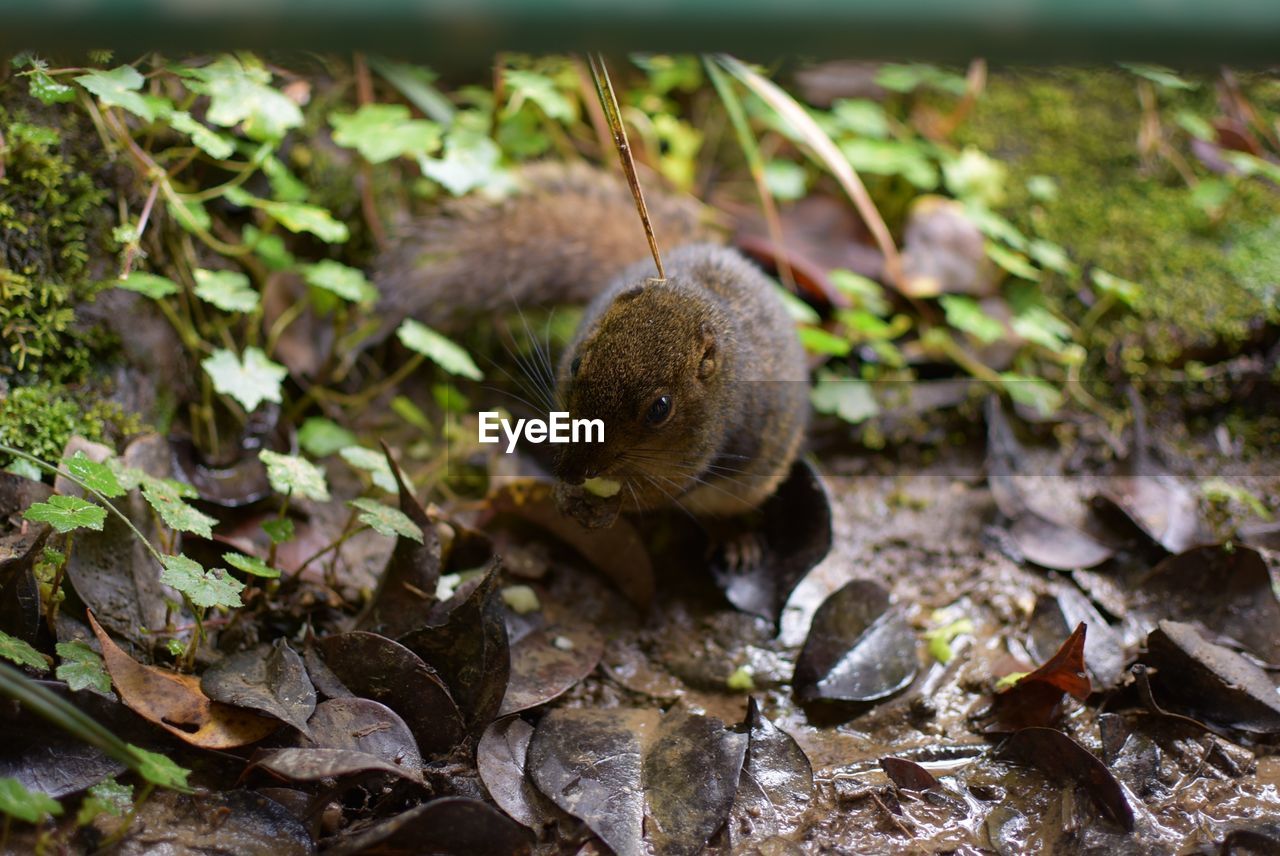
x=714 y=336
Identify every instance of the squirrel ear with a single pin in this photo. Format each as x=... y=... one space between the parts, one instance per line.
x=708 y=365
x=631 y=293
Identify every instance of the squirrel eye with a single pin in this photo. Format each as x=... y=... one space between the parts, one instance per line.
x=659 y=410
x=574 y=366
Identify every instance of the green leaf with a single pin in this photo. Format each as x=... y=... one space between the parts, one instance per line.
x=1042 y=188
x=1032 y=392
x=251 y=565
x=46 y=90
x=320 y=437
x=966 y=314
x=374 y=463
x=155 y=287
x=541 y=90
x=24 y=468
x=240 y=93
x=251 y=382
x=414 y=83
x=279 y=529
x=119 y=88
x=211 y=143
x=797 y=309
x=866 y=292
x=1195 y=125
x=31 y=806
x=819 y=341
x=471 y=160
x=785 y=179
x=860 y=116
x=297 y=217
x=204 y=588
x=270 y=248
x=107 y=797
x=907 y=78
x=380 y=132
x=347 y=282
x=1126 y=291
x=1014 y=262
x=190 y=213
x=940 y=638
x=851 y=400
x=891 y=157
x=159 y=770
x=292 y=474
x=445 y=353
x=1166 y=78
x=1051 y=256
x=228 y=290
x=1042 y=327
x=65 y=513
x=387 y=520
x=94 y=475
x=285 y=186
x=974 y=175
x=14 y=649
x=82 y=668
x=167 y=502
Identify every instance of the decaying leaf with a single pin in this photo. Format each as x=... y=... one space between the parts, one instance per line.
x=176 y=703
x=270 y=679
x=549 y=661
x=1036 y=699
x=1063 y=759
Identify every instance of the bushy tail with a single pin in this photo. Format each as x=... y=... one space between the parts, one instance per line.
x=561 y=238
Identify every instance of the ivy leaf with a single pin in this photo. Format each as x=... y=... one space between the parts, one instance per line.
x=965 y=314
x=374 y=463
x=119 y=88
x=1042 y=327
x=204 y=588
x=82 y=668
x=213 y=144
x=1124 y=290
x=31 y=806
x=49 y=91
x=346 y=282
x=269 y=248
x=380 y=132
x=65 y=513
x=785 y=179
x=149 y=284
x=190 y=213
x=1166 y=78
x=850 y=399
x=1033 y=392
x=471 y=160
x=251 y=382
x=819 y=341
x=292 y=474
x=295 y=216
x=279 y=529
x=320 y=437
x=251 y=565
x=389 y=521
x=1013 y=262
x=241 y=93
x=159 y=770
x=228 y=290
x=907 y=78
x=177 y=515
x=94 y=475
x=442 y=351
x=861 y=117
x=1049 y=255
x=107 y=797
x=14 y=649
x=541 y=90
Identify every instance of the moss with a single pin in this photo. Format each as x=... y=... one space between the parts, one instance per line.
x=39 y=420
x=1132 y=217
x=52 y=220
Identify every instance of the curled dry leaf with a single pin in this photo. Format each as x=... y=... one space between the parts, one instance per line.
x=407 y=588
x=1051 y=622
x=1061 y=758
x=312 y=764
x=270 y=679
x=795 y=535
x=377 y=668
x=548 y=662
x=1212 y=680
x=20 y=545
x=466 y=644
x=617 y=552
x=776 y=786
x=1036 y=699
x=450 y=826
x=176 y=703
x=859 y=649
x=907 y=775
x=366 y=726
x=500 y=759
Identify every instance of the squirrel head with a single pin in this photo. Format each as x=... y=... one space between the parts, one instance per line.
x=652 y=368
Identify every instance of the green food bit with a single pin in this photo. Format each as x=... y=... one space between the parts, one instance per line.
x=601 y=487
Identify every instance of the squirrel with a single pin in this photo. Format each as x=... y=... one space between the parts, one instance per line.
x=699 y=379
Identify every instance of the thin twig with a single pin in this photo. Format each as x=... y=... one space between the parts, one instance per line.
x=609 y=101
